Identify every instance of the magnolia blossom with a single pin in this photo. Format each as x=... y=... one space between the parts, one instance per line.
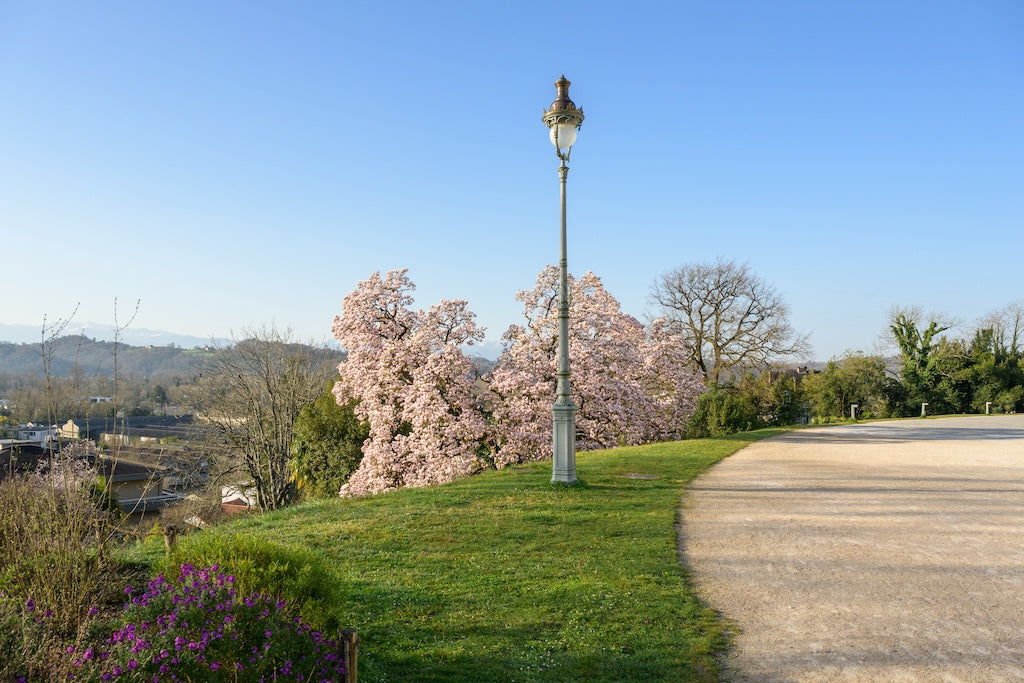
x=411 y=381
x=74 y=468
x=630 y=385
x=671 y=384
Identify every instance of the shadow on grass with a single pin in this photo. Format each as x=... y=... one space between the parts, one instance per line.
x=538 y=651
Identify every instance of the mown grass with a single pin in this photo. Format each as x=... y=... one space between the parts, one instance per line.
x=503 y=576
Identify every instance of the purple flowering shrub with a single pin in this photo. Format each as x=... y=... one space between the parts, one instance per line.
x=28 y=638
x=198 y=628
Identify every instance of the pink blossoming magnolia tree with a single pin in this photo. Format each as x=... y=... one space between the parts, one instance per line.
x=671 y=385
x=411 y=381
x=630 y=385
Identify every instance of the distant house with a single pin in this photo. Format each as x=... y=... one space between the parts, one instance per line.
x=139 y=489
x=69 y=431
x=101 y=399
x=32 y=432
x=240 y=497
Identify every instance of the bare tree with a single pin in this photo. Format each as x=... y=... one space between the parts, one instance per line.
x=254 y=393
x=48 y=337
x=737 y=320
x=1007 y=325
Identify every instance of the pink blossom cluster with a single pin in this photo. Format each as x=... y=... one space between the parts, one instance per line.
x=429 y=423
x=412 y=384
x=630 y=385
x=73 y=468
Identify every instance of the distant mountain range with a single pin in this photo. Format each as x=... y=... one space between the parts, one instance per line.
x=31 y=334
x=89 y=348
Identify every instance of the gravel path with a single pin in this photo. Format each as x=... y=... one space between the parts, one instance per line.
x=887 y=551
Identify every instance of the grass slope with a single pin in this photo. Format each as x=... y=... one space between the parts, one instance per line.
x=502 y=576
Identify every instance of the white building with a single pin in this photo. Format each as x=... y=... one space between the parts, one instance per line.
x=36 y=433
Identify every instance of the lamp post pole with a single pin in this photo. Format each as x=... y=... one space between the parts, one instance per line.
x=563 y=119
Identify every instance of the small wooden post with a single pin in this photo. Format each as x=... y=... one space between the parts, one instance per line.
x=350 y=648
x=170 y=537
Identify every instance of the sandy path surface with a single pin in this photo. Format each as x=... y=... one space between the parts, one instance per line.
x=889 y=551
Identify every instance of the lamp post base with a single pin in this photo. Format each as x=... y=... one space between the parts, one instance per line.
x=564 y=444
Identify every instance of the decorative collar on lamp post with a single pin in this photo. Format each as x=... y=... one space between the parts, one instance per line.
x=564 y=119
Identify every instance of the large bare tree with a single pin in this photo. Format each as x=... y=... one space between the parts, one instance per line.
x=256 y=389
x=737 y=320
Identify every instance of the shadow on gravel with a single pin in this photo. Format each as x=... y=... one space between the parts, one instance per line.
x=900 y=432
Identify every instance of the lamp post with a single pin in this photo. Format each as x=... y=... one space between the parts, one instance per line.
x=563 y=119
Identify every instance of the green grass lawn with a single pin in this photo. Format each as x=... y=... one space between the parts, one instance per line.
x=502 y=576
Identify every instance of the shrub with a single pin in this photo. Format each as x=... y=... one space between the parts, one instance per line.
x=257 y=564
x=720 y=411
x=32 y=646
x=197 y=627
x=55 y=540
x=327 y=446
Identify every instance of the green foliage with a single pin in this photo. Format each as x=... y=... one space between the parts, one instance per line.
x=104 y=497
x=994 y=373
x=30 y=649
x=777 y=397
x=856 y=379
x=721 y=411
x=919 y=375
x=198 y=627
x=259 y=565
x=956 y=375
x=326 y=446
x=768 y=399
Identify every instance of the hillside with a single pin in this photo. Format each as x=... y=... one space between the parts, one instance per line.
x=92 y=357
x=497 y=577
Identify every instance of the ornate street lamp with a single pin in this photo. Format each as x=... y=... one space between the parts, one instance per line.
x=563 y=119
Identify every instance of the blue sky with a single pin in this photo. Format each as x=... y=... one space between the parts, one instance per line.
x=235 y=163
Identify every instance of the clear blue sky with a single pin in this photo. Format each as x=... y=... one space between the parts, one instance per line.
x=231 y=163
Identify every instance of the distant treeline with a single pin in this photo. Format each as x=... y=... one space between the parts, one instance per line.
x=78 y=354
x=86 y=357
